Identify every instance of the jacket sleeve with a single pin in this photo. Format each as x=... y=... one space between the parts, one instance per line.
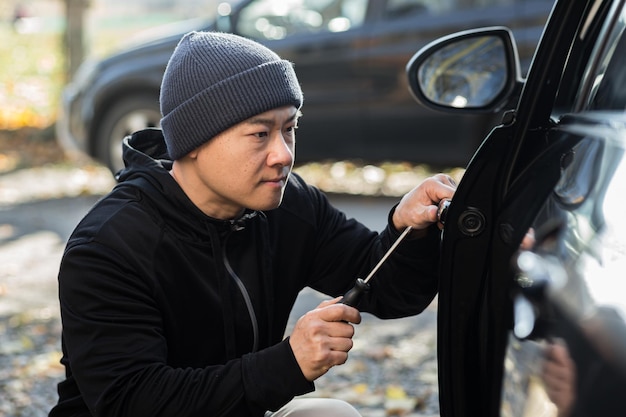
x=345 y=249
x=118 y=353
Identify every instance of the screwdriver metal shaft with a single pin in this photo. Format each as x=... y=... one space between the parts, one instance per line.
x=361 y=286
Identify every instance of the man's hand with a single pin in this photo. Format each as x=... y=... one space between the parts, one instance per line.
x=559 y=377
x=322 y=337
x=418 y=208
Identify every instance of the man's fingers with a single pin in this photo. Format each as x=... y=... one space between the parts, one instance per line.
x=328 y=302
x=446 y=179
x=322 y=337
x=333 y=310
x=341 y=344
x=418 y=208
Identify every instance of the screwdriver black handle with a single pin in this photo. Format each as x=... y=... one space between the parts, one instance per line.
x=353 y=297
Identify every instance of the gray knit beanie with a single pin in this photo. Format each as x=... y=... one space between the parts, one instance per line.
x=214 y=81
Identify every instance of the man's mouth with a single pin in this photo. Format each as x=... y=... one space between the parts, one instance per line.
x=277 y=180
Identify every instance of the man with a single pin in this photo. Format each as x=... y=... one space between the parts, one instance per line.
x=176 y=288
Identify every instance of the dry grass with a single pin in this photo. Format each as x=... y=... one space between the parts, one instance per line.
x=31 y=76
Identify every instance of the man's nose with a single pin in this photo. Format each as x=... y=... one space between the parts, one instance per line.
x=281 y=151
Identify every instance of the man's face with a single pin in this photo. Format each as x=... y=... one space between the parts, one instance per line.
x=247 y=166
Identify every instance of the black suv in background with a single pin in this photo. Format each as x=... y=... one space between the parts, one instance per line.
x=350 y=57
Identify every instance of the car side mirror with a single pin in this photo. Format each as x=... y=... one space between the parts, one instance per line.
x=473 y=71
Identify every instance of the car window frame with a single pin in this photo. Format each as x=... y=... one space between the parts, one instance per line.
x=615 y=33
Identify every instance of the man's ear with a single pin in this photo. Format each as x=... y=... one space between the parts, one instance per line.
x=193 y=154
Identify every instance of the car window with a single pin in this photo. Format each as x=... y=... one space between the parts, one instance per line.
x=400 y=8
x=272 y=20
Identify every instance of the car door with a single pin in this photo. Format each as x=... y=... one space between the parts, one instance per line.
x=567 y=292
x=553 y=169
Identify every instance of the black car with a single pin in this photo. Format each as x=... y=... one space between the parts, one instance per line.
x=349 y=56
x=534 y=243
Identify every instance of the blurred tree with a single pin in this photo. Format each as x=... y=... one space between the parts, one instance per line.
x=73 y=43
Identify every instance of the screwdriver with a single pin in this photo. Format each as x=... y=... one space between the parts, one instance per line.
x=361 y=286
x=354 y=295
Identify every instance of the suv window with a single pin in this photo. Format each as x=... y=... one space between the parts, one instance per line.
x=272 y=20
x=401 y=8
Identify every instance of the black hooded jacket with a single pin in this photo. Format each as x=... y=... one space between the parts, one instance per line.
x=168 y=312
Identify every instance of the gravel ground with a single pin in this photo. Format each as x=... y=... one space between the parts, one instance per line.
x=392 y=367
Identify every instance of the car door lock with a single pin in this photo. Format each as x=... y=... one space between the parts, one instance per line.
x=472 y=222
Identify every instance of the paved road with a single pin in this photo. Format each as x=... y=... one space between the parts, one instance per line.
x=32 y=237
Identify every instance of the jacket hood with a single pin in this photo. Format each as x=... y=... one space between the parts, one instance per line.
x=147 y=167
x=143 y=151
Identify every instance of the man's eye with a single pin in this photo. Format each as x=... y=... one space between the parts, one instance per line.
x=261 y=134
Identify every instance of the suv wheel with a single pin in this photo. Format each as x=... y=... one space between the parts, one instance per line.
x=124 y=117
